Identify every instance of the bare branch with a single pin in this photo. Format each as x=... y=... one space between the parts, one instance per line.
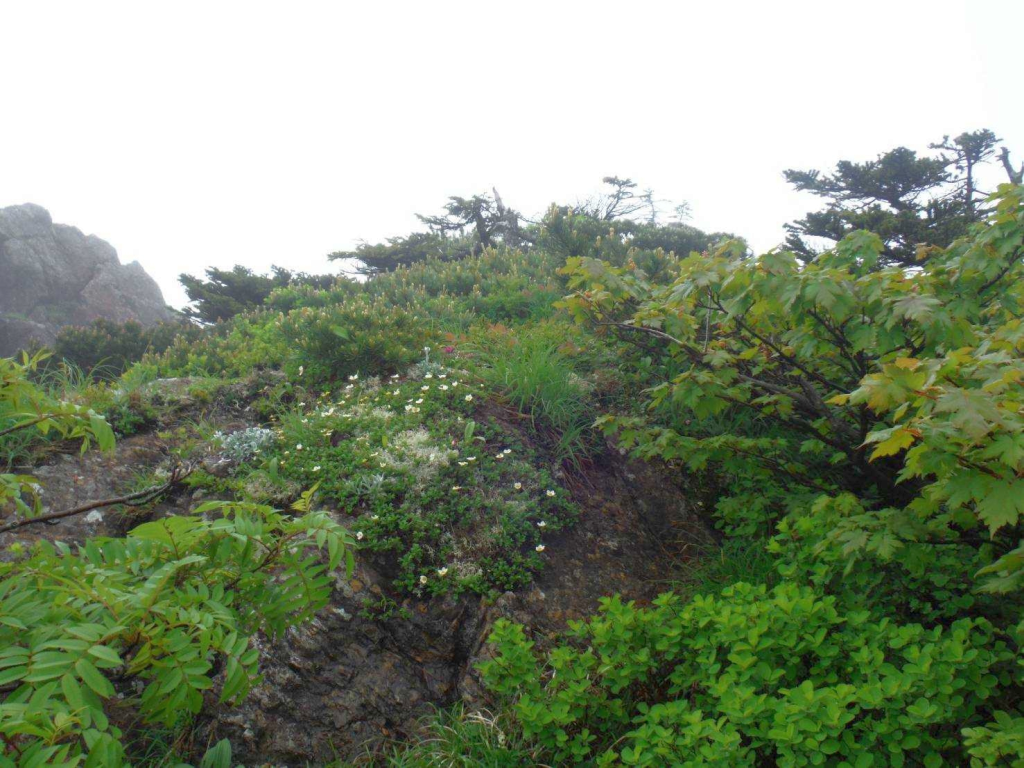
x=178 y=474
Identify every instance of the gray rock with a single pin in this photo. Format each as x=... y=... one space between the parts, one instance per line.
x=52 y=275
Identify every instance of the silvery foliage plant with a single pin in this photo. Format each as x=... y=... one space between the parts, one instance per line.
x=245 y=443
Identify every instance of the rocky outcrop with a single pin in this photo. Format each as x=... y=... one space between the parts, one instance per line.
x=373 y=662
x=52 y=275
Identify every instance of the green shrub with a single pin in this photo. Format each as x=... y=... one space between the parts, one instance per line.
x=750 y=677
x=867 y=421
x=106 y=349
x=364 y=337
x=167 y=606
x=233 y=348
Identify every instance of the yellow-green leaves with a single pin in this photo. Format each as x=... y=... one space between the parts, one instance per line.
x=891 y=441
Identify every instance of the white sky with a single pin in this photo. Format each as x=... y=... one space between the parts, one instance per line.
x=191 y=134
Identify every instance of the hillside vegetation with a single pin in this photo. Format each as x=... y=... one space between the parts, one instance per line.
x=851 y=421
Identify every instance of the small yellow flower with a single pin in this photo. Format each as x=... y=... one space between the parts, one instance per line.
x=539 y=547
x=359 y=535
x=550 y=493
x=468 y=398
x=423 y=579
x=542 y=524
x=442 y=571
x=518 y=486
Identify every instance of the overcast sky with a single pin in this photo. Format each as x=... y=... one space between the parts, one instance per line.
x=192 y=134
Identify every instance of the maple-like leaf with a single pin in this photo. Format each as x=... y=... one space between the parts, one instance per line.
x=1007 y=448
x=1002 y=505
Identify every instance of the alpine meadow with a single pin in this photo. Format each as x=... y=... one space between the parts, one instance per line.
x=593 y=487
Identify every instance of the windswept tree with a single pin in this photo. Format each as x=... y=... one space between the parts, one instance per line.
x=485 y=217
x=376 y=258
x=467 y=226
x=224 y=293
x=909 y=200
x=622 y=201
x=620 y=226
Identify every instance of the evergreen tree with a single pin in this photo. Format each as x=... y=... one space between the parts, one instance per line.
x=467 y=226
x=377 y=258
x=907 y=199
x=225 y=293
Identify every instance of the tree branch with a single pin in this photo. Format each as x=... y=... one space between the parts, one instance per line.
x=146 y=495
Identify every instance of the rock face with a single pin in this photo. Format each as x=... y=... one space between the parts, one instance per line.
x=373 y=661
x=348 y=681
x=52 y=275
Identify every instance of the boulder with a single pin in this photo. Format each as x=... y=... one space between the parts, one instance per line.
x=52 y=275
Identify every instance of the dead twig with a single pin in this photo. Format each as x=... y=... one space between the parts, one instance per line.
x=146 y=495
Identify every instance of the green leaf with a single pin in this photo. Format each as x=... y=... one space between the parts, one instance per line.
x=1003 y=505
x=93 y=678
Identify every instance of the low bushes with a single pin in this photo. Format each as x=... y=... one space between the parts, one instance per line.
x=750 y=677
x=106 y=349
